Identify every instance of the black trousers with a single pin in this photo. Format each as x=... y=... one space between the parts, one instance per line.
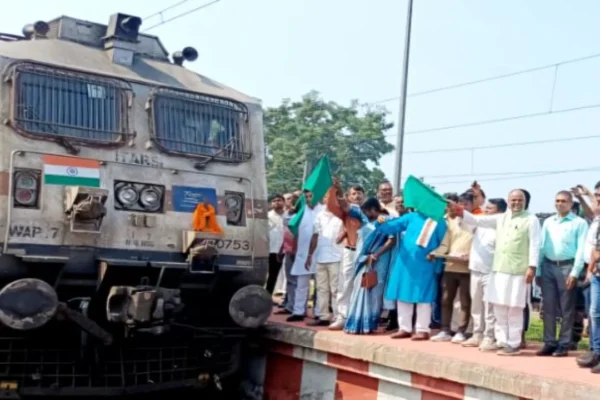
x=274 y=267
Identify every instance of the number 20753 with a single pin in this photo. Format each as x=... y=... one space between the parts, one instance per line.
x=227 y=244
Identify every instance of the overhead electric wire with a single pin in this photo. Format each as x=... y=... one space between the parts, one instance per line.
x=496 y=146
x=506 y=173
x=483 y=147
x=526 y=175
x=193 y=10
x=491 y=78
x=165 y=9
x=503 y=119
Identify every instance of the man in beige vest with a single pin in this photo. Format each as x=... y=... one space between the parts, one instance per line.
x=455 y=279
x=515 y=261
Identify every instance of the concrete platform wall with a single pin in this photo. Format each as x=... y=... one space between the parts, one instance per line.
x=295 y=362
x=288 y=372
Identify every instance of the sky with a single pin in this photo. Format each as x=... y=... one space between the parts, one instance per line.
x=353 y=49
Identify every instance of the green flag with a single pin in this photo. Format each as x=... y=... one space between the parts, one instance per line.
x=421 y=197
x=318 y=182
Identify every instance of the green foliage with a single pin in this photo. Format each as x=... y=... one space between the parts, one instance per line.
x=307 y=129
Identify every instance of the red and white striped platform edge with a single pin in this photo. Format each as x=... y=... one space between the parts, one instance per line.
x=289 y=372
x=300 y=362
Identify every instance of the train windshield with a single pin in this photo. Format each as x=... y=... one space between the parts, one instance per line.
x=200 y=126
x=54 y=103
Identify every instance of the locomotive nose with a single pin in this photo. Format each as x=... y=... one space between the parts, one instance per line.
x=251 y=306
x=27 y=304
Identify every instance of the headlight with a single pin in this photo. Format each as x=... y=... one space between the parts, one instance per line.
x=150 y=199
x=137 y=196
x=25 y=197
x=127 y=196
x=26 y=188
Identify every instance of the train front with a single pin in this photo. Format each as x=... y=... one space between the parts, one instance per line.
x=132 y=215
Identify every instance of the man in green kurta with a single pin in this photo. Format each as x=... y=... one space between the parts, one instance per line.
x=515 y=261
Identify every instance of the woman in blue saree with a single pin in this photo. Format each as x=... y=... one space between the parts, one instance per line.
x=372 y=252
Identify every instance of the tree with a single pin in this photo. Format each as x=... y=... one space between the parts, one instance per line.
x=301 y=131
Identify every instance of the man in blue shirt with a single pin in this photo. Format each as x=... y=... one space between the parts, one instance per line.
x=561 y=263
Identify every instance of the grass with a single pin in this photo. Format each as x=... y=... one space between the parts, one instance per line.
x=535 y=333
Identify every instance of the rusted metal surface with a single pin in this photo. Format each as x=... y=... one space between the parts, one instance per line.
x=251 y=306
x=27 y=304
x=83 y=322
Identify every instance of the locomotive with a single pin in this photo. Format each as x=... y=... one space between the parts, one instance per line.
x=109 y=148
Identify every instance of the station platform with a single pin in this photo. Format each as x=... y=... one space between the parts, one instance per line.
x=300 y=362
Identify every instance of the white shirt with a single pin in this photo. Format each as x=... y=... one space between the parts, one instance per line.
x=390 y=208
x=328 y=227
x=275 y=231
x=305 y=233
x=590 y=243
x=481 y=256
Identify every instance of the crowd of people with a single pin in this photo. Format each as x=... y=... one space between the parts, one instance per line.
x=467 y=276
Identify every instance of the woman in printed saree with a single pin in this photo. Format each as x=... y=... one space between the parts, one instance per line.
x=373 y=255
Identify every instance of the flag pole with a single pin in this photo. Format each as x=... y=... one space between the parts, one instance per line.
x=402 y=107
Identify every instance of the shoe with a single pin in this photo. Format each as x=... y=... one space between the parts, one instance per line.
x=488 y=344
x=295 y=318
x=443 y=336
x=337 y=325
x=318 y=322
x=574 y=346
x=561 y=352
x=392 y=323
x=523 y=342
x=509 y=351
x=474 y=341
x=500 y=345
x=401 y=335
x=420 y=336
x=546 y=351
x=435 y=325
x=392 y=326
x=282 y=312
x=588 y=360
x=458 y=338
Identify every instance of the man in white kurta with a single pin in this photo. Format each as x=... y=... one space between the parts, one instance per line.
x=304 y=264
x=515 y=261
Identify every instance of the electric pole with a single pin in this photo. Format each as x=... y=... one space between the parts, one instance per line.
x=403 y=91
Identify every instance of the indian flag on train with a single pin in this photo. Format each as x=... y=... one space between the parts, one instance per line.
x=71 y=171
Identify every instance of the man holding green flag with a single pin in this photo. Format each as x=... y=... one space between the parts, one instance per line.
x=413 y=278
x=302 y=226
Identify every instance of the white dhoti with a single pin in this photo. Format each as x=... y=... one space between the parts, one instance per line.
x=482 y=312
x=509 y=296
x=405 y=317
x=281 y=283
x=345 y=283
x=301 y=295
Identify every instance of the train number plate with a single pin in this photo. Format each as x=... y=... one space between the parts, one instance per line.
x=227 y=244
